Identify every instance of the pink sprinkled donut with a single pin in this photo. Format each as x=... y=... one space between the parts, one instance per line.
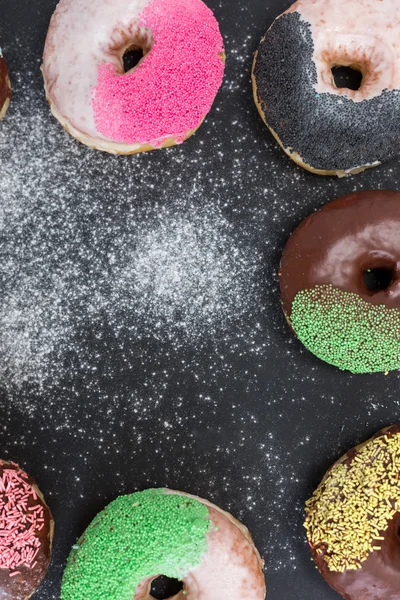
x=160 y=102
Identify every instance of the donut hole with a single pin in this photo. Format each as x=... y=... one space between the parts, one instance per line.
x=132 y=57
x=164 y=587
x=347 y=77
x=134 y=49
x=378 y=279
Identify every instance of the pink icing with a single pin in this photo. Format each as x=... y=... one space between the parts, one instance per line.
x=174 y=86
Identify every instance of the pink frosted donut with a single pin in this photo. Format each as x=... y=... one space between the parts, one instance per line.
x=160 y=102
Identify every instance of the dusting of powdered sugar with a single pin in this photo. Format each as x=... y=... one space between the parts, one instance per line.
x=169 y=268
x=183 y=273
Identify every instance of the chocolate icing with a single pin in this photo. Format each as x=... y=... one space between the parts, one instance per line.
x=338 y=243
x=379 y=578
x=22 y=586
x=5 y=90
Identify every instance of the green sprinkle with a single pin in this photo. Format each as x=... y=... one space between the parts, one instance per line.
x=346 y=331
x=137 y=536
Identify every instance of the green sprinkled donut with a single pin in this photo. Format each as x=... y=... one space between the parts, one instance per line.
x=340 y=282
x=156 y=532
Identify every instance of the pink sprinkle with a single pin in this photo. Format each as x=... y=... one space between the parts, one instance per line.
x=19 y=516
x=174 y=87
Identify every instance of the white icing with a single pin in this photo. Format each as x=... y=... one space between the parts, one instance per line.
x=230 y=569
x=360 y=33
x=82 y=35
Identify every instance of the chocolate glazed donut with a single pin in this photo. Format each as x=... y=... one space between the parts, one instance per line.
x=325 y=279
x=378 y=575
x=26 y=533
x=5 y=88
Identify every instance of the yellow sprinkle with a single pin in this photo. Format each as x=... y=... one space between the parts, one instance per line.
x=351 y=510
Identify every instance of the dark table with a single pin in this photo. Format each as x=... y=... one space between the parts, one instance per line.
x=237 y=411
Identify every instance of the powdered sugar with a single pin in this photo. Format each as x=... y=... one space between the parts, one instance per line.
x=184 y=273
x=172 y=270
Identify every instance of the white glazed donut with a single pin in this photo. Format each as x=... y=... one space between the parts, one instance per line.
x=324 y=128
x=158 y=103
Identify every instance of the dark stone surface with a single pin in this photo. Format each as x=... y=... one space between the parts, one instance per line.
x=249 y=420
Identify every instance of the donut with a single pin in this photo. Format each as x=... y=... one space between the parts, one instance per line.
x=162 y=100
x=5 y=87
x=340 y=282
x=141 y=536
x=26 y=533
x=326 y=129
x=353 y=519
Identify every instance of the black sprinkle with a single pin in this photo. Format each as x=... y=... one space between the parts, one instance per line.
x=328 y=131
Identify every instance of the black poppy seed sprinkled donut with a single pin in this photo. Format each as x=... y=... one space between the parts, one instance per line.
x=326 y=129
x=353 y=519
x=340 y=282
